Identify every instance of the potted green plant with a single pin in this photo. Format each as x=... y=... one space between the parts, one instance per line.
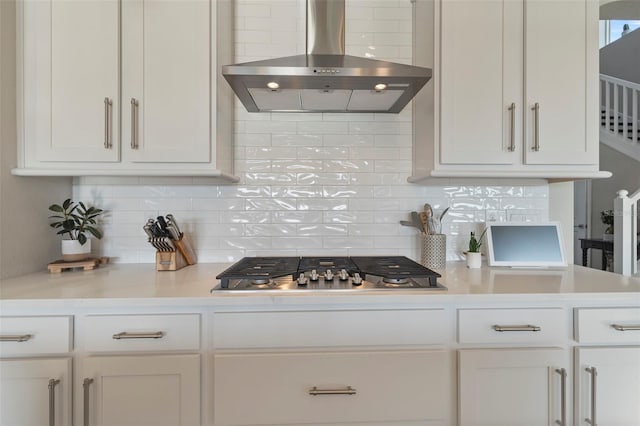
x=606 y=216
x=74 y=221
x=473 y=255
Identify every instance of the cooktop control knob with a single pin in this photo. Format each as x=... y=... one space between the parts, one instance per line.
x=328 y=276
x=356 y=280
x=302 y=280
x=343 y=275
x=313 y=276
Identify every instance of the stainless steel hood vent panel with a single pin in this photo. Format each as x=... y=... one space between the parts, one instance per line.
x=324 y=69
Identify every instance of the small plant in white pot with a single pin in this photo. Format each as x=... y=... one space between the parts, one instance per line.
x=474 y=257
x=73 y=222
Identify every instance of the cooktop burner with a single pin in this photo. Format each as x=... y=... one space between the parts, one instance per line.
x=327 y=273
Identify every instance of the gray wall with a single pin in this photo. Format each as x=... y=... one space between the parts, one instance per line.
x=27 y=243
x=626 y=175
x=621 y=9
x=621 y=59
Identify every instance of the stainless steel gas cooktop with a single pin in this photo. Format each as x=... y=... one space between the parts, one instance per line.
x=328 y=273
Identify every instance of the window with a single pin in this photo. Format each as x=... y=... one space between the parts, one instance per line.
x=611 y=30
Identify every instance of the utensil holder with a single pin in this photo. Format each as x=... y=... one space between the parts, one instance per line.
x=434 y=251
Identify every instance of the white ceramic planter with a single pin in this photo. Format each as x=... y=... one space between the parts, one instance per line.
x=73 y=251
x=474 y=260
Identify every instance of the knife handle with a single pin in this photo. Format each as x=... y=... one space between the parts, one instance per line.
x=173 y=221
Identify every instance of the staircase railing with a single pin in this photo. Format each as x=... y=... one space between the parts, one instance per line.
x=620 y=116
x=625 y=233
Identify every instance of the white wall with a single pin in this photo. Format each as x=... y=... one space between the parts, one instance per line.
x=322 y=184
x=27 y=243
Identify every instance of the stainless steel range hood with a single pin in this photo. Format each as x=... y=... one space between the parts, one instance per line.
x=325 y=79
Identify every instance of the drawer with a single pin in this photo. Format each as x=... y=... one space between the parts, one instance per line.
x=380 y=386
x=330 y=328
x=35 y=335
x=131 y=333
x=519 y=326
x=607 y=325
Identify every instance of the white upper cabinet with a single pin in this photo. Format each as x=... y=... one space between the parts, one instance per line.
x=515 y=90
x=70 y=91
x=127 y=87
x=561 y=66
x=166 y=81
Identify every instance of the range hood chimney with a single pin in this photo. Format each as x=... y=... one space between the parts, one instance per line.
x=325 y=79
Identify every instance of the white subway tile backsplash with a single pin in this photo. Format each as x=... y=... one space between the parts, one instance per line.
x=310 y=184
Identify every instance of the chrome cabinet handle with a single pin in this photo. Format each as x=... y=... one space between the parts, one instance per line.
x=107 y=123
x=52 y=401
x=526 y=327
x=593 y=372
x=536 y=127
x=85 y=387
x=16 y=338
x=348 y=391
x=512 y=130
x=126 y=335
x=626 y=327
x=563 y=396
x=134 y=123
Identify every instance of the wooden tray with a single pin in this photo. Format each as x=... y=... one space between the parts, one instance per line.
x=88 y=264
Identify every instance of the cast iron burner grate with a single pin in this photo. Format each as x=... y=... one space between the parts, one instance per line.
x=259 y=269
x=321 y=264
x=395 y=268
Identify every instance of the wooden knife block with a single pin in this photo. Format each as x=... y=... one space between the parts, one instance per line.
x=174 y=260
x=169 y=261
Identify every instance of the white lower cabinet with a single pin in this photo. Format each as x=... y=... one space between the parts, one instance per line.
x=158 y=390
x=363 y=387
x=608 y=383
x=507 y=387
x=35 y=392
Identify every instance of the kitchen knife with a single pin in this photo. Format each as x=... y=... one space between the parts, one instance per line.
x=148 y=228
x=171 y=230
x=173 y=221
x=163 y=224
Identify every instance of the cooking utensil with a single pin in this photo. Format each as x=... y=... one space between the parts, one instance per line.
x=410 y=224
x=415 y=218
x=425 y=221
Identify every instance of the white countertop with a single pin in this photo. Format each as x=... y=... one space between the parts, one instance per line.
x=142 y=284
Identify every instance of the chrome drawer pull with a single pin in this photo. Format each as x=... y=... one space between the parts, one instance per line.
x=593 y=372
x=134 y=123
x=563 y=396
x=348 y=391
x=52 y=401
x=526 y=327
x=126 y=335
x=107 y=123
x=626 y=327
x=18 y=338
x=85 y=386
x=512 y=131
x=536 y=128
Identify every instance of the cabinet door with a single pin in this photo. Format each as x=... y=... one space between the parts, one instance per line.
x=616 y=391
x=166 y=77
x=561 y=47
x=140 y=390
x=481 y=78
x=28 y=397
x=70 y=72
x=506 y=387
